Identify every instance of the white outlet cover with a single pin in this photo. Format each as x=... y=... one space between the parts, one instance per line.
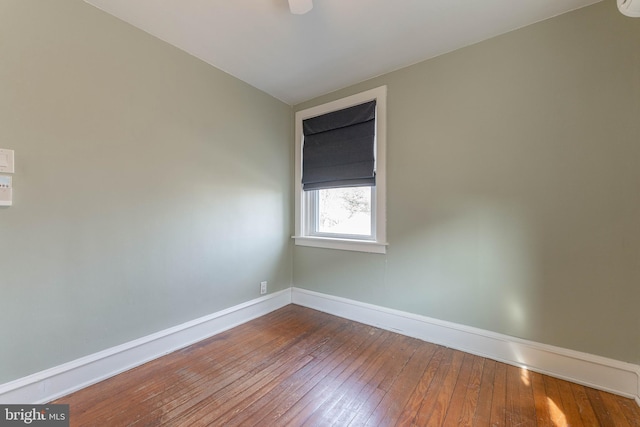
x=6 y=161
x=6 y=191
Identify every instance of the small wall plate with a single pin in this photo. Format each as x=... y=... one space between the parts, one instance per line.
x=6 y=161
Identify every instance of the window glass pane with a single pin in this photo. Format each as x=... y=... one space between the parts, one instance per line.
x=345 y=211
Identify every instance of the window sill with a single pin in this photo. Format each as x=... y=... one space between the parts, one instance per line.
x=342 y=244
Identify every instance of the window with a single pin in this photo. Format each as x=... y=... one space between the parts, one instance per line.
x=340 y=174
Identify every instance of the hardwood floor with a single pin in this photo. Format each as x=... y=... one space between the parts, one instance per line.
x=300 y=367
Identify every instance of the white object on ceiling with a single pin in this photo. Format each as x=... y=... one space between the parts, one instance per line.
x=629 y=7
x=300 y=7
x=340 y=42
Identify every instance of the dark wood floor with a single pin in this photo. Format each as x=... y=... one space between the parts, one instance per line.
x=300 y=367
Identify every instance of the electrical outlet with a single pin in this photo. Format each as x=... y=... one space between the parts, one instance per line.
x=263 y=288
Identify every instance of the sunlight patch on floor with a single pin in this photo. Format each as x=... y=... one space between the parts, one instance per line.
x=557 y=416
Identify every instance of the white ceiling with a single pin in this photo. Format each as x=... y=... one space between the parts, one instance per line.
x=338 y=43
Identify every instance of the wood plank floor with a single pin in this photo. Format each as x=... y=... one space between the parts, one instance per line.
x=300 y=367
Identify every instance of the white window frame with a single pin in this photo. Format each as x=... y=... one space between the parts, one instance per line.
x=304 y=236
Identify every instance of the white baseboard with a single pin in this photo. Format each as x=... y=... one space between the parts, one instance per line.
x=61 y=380
x=583 y=368
x=594 y=371
x=638 y=390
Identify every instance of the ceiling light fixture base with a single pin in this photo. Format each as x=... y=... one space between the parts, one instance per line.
x=300 y=7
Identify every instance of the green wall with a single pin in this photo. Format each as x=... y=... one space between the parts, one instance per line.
x=148 y=188
x=513 y=188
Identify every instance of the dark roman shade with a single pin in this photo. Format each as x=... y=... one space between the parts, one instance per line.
x=339 y=148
